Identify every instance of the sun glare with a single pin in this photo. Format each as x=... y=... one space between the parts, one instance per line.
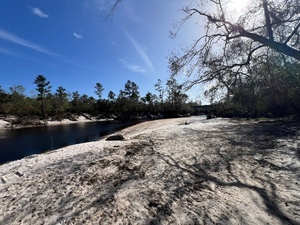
x=237 y=6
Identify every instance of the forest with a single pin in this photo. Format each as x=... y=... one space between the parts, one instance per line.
x=170 y=101
x=269 y=89
x=248 y=65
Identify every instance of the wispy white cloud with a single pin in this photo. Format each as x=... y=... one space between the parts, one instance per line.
x=20 y=41
x=38 y=12
x=78 y=36
x=17 y=40
x=139 y=49
x=133 y=67
x=9 y=52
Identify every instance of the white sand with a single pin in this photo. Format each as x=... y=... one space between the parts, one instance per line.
x=4 y=124
x=207 y=172
x=80 y=119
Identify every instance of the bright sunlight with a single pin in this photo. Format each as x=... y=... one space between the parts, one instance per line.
x=237 y=6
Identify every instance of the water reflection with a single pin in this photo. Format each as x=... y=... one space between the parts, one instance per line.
x=18 y=143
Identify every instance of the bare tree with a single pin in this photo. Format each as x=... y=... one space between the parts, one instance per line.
x=231 y=42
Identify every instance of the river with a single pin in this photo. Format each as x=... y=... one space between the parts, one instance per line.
x=19 y=143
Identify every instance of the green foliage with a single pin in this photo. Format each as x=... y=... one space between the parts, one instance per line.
x=131 y=91
x=128 y=103
x=16 y=101
x=82 y=104
x=271 y=89
x=60 y=102
x=159 y=88
x=99 y=89
x=4 y=98
x=111 y=96
x=75 y=102
x=176 y=98
x=128 y=99
x=43 y=88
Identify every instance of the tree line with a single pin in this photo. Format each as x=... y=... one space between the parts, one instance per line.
x=249 y=59
x=271 y=88
x=127 y=104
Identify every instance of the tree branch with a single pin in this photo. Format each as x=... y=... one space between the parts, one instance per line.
x=282 y=48
x=292 y=34
x=277 y=46
x=268 y=20
x=113 y=8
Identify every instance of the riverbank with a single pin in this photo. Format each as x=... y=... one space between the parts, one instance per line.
x=217 y=171
x=9 y=122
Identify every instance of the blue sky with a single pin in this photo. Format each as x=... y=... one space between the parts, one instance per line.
x=74 y=46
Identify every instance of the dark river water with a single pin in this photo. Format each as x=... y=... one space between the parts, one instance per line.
x=18 y=143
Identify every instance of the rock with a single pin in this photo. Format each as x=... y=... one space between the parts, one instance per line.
x=117 y=137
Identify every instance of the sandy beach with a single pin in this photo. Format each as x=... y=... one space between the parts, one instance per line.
x=5 y=124
x=217 y=171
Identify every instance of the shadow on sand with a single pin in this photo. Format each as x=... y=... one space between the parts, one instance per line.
x=145 y=185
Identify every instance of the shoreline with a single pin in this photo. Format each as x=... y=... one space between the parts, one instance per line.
x=167 y=171
x=5 y=125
